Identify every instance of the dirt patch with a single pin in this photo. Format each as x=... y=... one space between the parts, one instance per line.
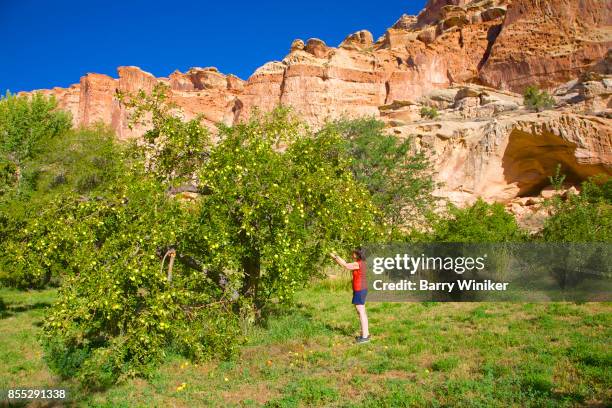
x=260 y=393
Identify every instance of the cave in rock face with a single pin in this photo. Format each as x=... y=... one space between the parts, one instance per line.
x=529 y=160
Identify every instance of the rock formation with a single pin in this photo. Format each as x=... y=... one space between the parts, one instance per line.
x=466 y=58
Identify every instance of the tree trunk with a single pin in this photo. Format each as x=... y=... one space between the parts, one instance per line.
x=252 y=271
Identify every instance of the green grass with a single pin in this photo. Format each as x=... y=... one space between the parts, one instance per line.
x=422 y=355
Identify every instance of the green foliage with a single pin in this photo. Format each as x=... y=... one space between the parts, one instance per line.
x=429 y=112
x=481 y=222
x=399 y=179
x=27 y=122
x=174 y=148
x=557 y=179
x=445 y=364
x=8 y=175
x=38 y=225
x=586 y=217
x=279 y=198
x=275 y=199
x=118 y=311
x=537 y=100
x=81 y=161
x=26 y=125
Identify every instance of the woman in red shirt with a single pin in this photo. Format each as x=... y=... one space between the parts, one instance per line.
x=360 y=289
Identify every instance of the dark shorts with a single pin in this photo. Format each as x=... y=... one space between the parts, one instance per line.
x=359 y=297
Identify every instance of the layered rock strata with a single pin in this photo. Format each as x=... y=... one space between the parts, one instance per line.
x=468 y=59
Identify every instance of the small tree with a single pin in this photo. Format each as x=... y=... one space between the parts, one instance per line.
x=275 y=199
x=557 y=179
x=399 y=179
x=26 y=125
x=121 y=308
x=537 y=100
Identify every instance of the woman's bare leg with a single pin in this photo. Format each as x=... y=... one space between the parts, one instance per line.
x=363 y=319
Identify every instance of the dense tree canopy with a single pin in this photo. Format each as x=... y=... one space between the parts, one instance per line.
x=143 y=270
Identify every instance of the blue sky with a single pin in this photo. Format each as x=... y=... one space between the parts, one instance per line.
x=53 y=43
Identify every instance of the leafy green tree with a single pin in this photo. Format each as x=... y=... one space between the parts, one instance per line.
x=479 y=223
x=399 y=179
x=536 y=99
x=583 y=218
x=26 y=125
x=35 y=225
x=121 y=308
x=274 y=199
x=279 y=199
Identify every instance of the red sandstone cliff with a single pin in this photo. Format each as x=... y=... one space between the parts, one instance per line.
x=468 y=58
x=502 y=43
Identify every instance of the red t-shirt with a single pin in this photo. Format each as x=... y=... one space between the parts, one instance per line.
x=359 y=277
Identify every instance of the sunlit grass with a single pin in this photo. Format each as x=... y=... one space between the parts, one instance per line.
x=430 y=354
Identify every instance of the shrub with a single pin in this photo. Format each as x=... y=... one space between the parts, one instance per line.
x=582 y=218
x=557 y=179
x=429 y=112
x=537 y=100
x=479 y=223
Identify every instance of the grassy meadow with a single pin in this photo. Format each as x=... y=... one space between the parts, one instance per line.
x=422 y=355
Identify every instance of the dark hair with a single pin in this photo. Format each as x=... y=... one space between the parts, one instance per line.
x=360 y=253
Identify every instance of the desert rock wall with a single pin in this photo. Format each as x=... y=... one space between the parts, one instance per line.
x=468 y=59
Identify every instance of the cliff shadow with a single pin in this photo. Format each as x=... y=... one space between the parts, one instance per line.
x=529 y=160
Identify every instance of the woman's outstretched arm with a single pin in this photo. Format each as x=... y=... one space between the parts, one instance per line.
x=350 y=266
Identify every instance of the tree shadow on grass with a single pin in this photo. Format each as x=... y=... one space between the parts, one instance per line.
x=300 y=310
x=12 y=310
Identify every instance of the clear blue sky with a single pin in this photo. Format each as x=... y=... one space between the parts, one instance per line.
x=48 y=43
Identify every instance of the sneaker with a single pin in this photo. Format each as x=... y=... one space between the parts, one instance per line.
x=360 y=340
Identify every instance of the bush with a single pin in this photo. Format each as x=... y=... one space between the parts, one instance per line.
x=557 y=179
x=537 y=100
x=582 y=218
x=429 y=112
x=479 y=223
